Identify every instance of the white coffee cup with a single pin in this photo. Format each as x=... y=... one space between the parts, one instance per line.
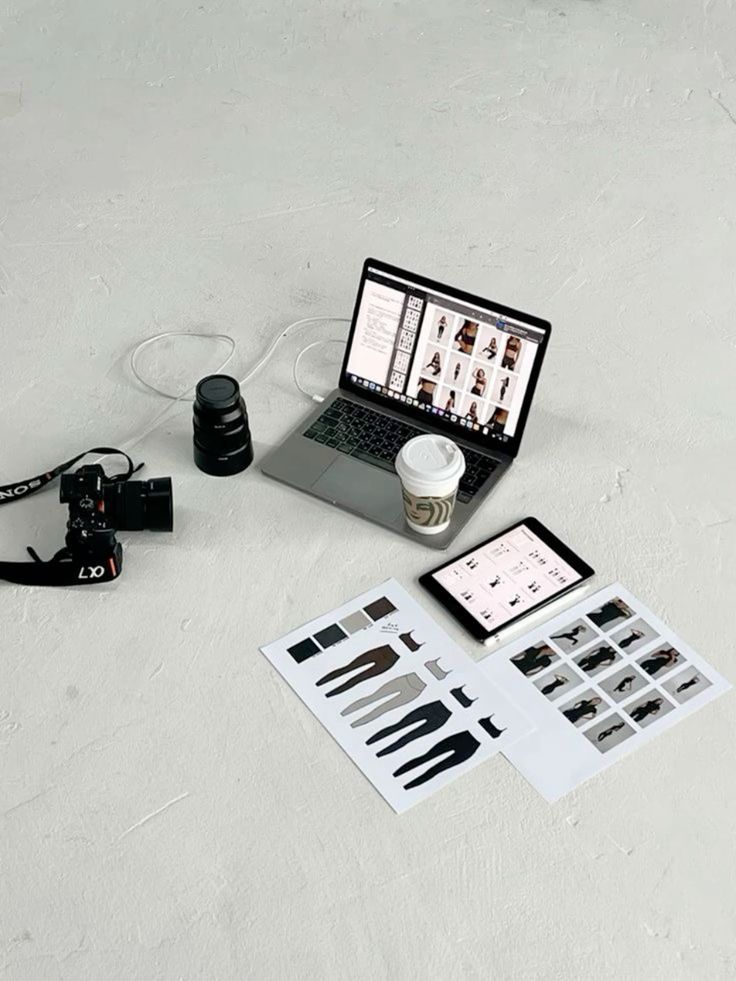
x=430 y=468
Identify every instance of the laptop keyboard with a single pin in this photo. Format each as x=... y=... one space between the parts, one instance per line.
x=375 y=438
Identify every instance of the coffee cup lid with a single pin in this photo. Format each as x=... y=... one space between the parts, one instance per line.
x=430 y=458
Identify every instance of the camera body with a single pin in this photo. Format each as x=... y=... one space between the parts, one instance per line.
x=90 y=534
x=99 y=507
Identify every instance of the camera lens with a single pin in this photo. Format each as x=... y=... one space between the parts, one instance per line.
x=222 y=443
x=141 y=505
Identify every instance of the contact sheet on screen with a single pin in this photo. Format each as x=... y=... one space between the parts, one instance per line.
x=597 y=681
x=408 y=706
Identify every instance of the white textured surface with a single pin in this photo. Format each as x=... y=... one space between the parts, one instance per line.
x=169 y=809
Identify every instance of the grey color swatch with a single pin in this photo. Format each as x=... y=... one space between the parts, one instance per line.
x=355 y=622
x=402 y=690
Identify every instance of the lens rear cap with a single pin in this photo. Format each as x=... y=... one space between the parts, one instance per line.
x=217 y=392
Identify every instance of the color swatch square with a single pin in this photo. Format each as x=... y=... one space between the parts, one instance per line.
x=329 y=636
x=304 y=649
x=355 y=622
x=379 y=608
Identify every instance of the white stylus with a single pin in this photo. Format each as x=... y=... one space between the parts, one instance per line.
x=532 y=619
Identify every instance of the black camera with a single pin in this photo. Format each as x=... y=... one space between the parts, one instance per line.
x=99 y=506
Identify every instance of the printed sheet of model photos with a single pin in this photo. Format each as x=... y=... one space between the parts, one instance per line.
x=597 y=681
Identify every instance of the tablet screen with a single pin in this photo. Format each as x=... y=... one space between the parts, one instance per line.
x=506 y=577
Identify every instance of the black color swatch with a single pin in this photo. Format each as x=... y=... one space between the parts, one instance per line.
x=304 y=649
x=379 y=608
x=329 y=636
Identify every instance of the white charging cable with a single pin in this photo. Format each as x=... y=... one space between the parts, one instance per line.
x=297 y=362
x=186 y=395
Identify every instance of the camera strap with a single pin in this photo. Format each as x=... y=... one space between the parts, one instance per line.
x=13 y=492
x=63 y=569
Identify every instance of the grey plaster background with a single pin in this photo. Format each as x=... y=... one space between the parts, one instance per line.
x=169 y=809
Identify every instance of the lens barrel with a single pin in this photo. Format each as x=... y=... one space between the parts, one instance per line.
x=222 y=443
x=140 y=505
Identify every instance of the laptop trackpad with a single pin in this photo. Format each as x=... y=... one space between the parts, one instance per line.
x=361 y=488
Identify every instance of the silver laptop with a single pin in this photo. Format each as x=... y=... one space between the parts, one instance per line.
x=421 y=357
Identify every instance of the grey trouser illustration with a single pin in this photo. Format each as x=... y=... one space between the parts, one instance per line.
x=380 y=659
x=404 y=689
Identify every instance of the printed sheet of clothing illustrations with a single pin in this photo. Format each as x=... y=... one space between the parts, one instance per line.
x=598 y=681
x=408 y=706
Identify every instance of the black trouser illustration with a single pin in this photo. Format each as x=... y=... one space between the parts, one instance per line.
x=432 y=716
x=460 y=746
x=380 y=659
x=404 y=689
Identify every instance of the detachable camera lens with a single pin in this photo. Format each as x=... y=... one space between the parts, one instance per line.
x=140 y=505
x=222 y=443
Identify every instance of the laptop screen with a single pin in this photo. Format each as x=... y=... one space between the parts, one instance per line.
x=468 y=363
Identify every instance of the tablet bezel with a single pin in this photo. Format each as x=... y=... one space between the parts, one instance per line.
x=466 y=619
